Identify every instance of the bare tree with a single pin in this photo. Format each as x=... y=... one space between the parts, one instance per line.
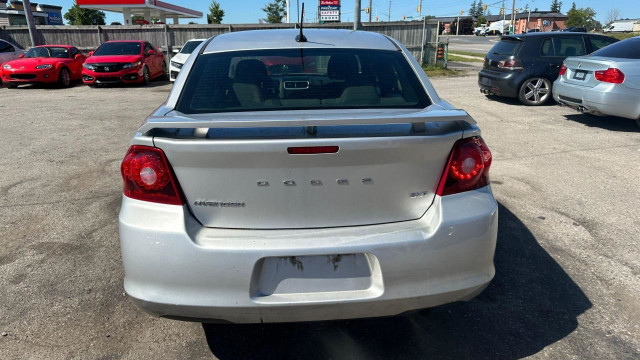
x=613 y=15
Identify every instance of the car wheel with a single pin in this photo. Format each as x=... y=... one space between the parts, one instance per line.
x=11 y=86
x=64 y=78
x=146 y=78
x=165 y=73
x=535 y=91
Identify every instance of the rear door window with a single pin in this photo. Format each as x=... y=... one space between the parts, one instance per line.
x=293 y=79
x=569 y=46
x=547 y=48
x=627 y=49
x=506 y=47
x=598 y=42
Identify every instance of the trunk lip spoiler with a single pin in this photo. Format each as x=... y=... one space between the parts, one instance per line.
x=174 y=119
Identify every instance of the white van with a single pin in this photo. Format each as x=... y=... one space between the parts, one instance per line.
x=498 y=27
x=621 y=26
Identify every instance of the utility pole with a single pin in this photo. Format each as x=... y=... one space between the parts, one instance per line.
x=288 y=11
x=512 y=28
x=420 y=9
x=371 y=9
x=528 y=19
x=356 y=17
x=389 y=10
x=458 y=26
x=29 y=16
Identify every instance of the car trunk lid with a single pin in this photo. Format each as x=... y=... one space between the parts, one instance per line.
x=581 y=70
x=386 y=167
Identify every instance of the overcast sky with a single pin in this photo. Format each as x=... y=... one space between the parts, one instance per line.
x=249 y=11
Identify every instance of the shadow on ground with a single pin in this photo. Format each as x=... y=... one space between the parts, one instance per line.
x=611 y=123
x=530 y=304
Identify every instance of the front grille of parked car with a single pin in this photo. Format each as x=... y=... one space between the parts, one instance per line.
x=570 y=99
x=107 y=67
x=23 y=76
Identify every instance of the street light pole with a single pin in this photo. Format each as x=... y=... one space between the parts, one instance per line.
x=32 y=26
x=370 y=9
x=356 y=17
x=389 y=10
x=512 y=28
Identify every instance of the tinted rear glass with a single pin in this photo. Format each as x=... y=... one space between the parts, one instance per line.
x=292 y=79
x=119 y=48
x=627 y=49
x=569 y=46
x=506 y=47
x=190 y=46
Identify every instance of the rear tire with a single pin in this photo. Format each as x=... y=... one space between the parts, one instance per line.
x=64 y=78
x=535 y=91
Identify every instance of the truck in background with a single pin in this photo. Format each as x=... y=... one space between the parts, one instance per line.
x=622 y=26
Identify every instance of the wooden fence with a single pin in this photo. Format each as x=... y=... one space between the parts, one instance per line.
x=172 y=37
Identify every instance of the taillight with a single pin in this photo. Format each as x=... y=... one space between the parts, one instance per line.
x=467 y=168
x=147 y=176
x=611 y=75
x=510 y=64
x=563 y=69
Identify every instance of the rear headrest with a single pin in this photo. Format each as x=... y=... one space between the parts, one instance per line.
x=251 y=71
x=342 y=66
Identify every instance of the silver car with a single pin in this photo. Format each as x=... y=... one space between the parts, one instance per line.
x=287 y=180
x=607 y=82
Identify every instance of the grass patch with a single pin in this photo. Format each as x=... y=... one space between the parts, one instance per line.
x=439 y=71
x=468 y=53
x=453 y=57
x=622 y=36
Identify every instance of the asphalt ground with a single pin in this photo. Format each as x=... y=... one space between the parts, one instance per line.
x=568 y=262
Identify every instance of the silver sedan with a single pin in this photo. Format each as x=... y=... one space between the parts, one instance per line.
x=292 y=180
x=607 y=82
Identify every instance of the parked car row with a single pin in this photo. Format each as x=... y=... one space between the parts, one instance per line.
x=581 y=70
x=130 y=61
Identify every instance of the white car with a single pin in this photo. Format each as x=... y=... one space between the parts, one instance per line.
x=292 y=178
x=9 y=52
x=181 y=57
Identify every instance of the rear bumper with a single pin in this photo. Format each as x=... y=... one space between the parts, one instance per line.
x=500 y=83
x=132 y=75
x=603 y=99
x=176 y=268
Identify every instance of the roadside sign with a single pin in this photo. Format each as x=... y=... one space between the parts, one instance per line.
x=329 y=11
x=330 y=2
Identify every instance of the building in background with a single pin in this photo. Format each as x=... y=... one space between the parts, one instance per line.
x=148 y=9
x=12 y=14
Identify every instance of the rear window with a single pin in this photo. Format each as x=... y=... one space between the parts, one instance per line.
x=598 y=42
x=292 y=79
x=566 y=46
x=626 y=49
x=506 y=47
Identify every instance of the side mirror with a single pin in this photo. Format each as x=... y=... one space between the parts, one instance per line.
x=90 y=53
x=21 y=56
x=151 y=52
x=78 y=57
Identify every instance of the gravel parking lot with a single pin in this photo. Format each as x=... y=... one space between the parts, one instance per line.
x=568 y=255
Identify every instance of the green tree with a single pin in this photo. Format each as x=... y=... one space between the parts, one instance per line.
x=556 y=6
x=215 y=13
x=584 y=17
x=479 y=9
x=276 y=11
x=474 y=8
x=116 y=23
x=481 y=19
x=79 y=16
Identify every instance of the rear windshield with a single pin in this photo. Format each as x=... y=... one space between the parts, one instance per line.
x=505 y=47
x=627 y=49
x=293 y=79
x=119 y=48
x=190 y=46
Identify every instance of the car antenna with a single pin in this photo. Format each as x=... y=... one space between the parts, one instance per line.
x=301 y=37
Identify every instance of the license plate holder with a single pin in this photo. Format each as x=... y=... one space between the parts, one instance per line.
x=580 y=75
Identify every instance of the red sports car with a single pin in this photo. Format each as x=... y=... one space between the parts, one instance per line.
x=124 y=62
x=60 y=64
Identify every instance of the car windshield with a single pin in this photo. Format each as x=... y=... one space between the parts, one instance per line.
x=190 y=46
x=119 y=48
x=48 y=52
x=505 y=47
x=292 y=79
x=627 y=49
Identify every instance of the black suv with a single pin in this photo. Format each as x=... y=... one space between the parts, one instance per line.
x=526 y=65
